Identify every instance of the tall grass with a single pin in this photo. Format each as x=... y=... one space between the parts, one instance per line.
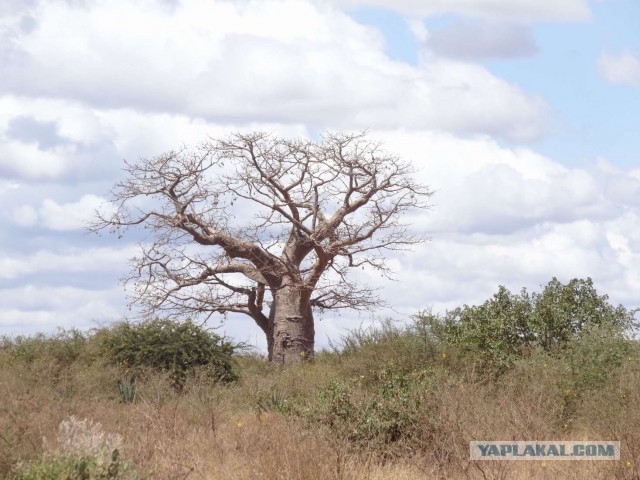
x=391 y=402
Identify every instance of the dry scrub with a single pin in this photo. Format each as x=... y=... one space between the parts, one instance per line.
x=284 y=423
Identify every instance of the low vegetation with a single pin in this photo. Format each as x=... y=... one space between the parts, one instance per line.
x=169 y=400
x=178 y=348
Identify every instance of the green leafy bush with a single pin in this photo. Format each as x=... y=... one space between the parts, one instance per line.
x=178 y=348
x=506 y=326
x=563 y=312
x=62 y=348
x=597 y=354
x=390 y=415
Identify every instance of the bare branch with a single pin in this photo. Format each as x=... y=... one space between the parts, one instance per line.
x=236 y=222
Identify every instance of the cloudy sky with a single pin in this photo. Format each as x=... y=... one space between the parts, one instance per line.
x=522 y=115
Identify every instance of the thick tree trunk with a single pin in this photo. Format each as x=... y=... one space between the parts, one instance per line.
x=291 y=333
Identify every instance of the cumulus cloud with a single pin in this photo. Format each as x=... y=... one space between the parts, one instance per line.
x=456 y=269
x=63 y=216
x=622 y=69
x=483 y=187
x=47 y=308
x=231 y=62
x=517 y=10
x=54 y=140
x=50 y=140
x=74 y=215
x=512 y=217
x=72 y=261
x=29 y=130
x=501 y=216
x=142 y=77
x=20 y=160
x=479 y=40
x=25 y=216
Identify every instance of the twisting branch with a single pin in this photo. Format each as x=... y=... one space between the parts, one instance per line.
x=233 y=221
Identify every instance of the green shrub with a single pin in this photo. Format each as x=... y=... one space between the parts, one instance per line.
x=493 y=333
x=508 y=325
x=597 y=355
x=390 y=415
x=178 y=348
x=62 y=348
x=563 y=312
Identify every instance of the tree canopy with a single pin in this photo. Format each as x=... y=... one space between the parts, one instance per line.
x=267 y=227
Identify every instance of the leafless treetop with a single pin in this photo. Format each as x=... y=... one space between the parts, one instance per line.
x=234 y=220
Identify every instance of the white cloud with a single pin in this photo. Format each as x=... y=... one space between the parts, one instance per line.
x=74 y=122
x=25 y=216
x=72 y=216
x=28 y=161
x=516 y=10
x=34 y=297
x=75 y=260
x=484 y=187
x=513 y=217
x=418 y=28
x=622 y=69
x=139 y=79
x=77 y=137
x=35 y=308
x=479 y=40
x=91 y=141
x=503 y=216
x=457 y=269
x=63 y=216
x=235 y=62
x=136 y=134
x=8 y=186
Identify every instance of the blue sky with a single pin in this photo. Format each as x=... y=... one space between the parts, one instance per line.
x=521 y=115
x=589 y=116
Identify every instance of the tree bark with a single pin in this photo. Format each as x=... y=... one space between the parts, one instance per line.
x=291 y=334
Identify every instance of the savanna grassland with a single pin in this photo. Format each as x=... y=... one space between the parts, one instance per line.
x=158 y=400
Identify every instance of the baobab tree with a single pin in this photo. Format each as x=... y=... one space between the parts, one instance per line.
x=267 y=227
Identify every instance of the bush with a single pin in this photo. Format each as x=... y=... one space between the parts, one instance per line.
x=391 y=415
x=63 y=348
x=494 y=333
x=597 y=354
x=178 y=348
x=563 y=312
x=506 y=326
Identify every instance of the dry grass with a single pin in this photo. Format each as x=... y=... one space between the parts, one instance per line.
x=245 y=430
